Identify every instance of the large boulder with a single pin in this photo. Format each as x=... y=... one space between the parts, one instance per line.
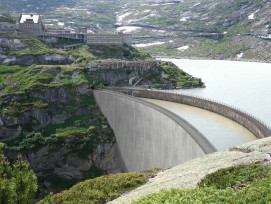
x=55 y=59
x=27 y=60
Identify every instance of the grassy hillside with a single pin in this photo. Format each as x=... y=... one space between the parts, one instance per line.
x=239 y=184
x=48 y=112
x=7 y=18
x=18 y=184
x=101 y=189
x=237 y=30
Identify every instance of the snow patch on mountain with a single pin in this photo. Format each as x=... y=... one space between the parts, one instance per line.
x=149 y=44
x=183 y=48
x=128 y=29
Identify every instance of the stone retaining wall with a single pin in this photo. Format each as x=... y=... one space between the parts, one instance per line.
x=139 y=66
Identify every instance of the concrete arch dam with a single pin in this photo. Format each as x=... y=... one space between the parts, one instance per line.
x=148 y=135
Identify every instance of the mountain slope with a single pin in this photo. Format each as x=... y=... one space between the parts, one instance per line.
x=212 y=29
x=234 y=29
x=48 y=113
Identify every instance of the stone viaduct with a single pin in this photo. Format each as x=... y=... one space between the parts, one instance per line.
x=150 y=136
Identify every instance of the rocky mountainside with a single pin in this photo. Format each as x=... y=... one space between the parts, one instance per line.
x=48 y=113
x=234 y=29
x=212 y=29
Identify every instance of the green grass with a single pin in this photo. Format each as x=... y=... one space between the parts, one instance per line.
x=74 y=131
x=18 y=80
x=16 y=107
x=52 y=128
x=239 y=185
x=236 y=177
x=7 y=19
x=101 y=189
x=36 y=47
x=83 y=54
x=179 y=77
x=85 y=135
x=119 y=52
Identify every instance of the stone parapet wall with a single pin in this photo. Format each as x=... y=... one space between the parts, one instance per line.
x=139 y=66
x=254 y=125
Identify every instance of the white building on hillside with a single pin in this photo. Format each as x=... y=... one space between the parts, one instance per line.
x=31 y=23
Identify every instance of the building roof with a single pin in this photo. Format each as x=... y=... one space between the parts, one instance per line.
x=29 y=17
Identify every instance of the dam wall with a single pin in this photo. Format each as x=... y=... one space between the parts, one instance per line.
x=149 y=136
x=254 y=125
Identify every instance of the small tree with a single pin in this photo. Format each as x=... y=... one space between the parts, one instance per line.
x=18 y=184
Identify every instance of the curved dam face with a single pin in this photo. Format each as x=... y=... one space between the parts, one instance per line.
x=222 y=132
x=149 y=136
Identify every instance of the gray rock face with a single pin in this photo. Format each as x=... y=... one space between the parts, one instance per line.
x=14 y=44
x=53 y=71
x=27 y=60
x=104 y=157
x=139 y=67
x=2 y=57
x=60 y=95
x=61 y=158
x=58 y=163
x=44 y=159
x=55 y=59
x=10 y=126
x=46 y=162
x=119 y=72
x=7 y=133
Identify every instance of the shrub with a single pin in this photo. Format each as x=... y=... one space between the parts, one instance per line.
x=239 y=185
x=236 y=177
x=18 y=184
x=190 y=196
x=101 y=189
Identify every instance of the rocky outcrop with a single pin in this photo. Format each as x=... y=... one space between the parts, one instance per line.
x=120 y=72
x=71 y=158
x=27 y=60
x=140 y=67
x=189 y=174
x=12 y=43
x=11 y=125
x=62 y=164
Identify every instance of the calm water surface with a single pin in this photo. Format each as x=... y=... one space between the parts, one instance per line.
x=245 y=85
x=220 y=131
